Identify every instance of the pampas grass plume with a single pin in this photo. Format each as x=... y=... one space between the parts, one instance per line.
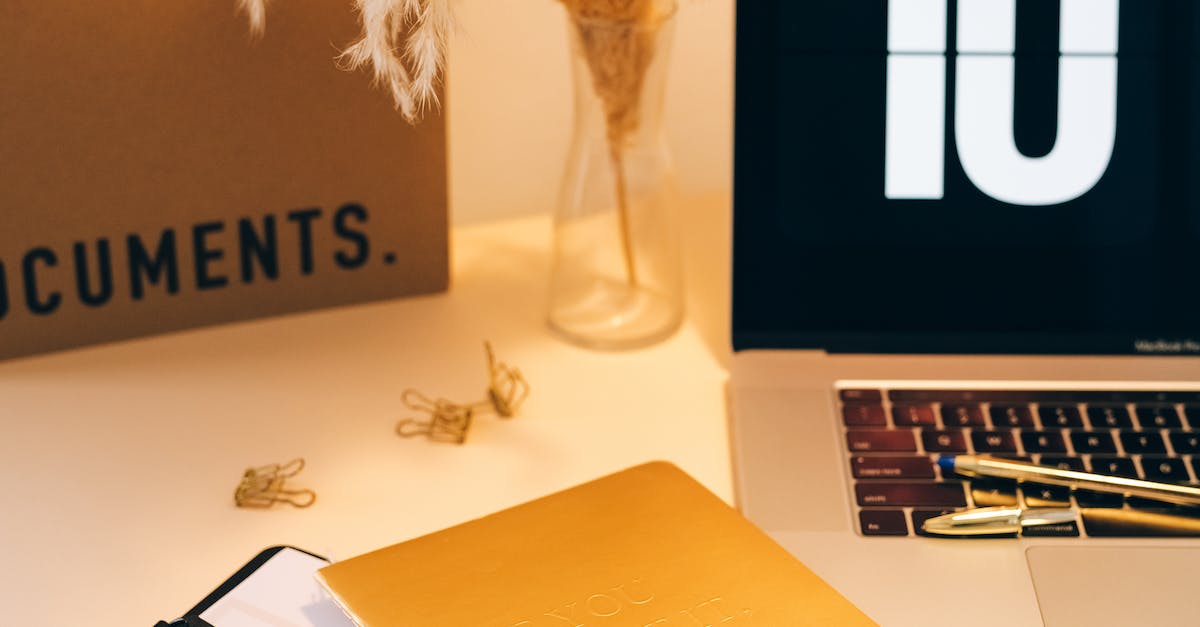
x=256 y=14
x=403 y=43
x=411 y=73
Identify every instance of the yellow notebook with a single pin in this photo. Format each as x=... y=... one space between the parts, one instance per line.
x=646 y=547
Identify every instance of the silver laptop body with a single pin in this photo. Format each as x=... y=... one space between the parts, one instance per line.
x=791 y=478
x=909 y=218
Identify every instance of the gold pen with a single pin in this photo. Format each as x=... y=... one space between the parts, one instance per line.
x=1010 y=520
x=983 y=466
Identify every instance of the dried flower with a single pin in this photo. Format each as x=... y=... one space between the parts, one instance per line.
x=411 y=70
x=256 y=12
x=618 y=39
x=412 y=76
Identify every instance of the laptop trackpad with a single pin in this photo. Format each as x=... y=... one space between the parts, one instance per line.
x=1114 y=585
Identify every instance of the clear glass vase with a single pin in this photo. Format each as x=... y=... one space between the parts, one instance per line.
x=616 y=280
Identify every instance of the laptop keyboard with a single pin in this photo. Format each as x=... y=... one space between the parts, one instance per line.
x=893 y=438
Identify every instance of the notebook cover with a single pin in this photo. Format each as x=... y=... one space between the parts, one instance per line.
x=163 y=169
x=646 y=547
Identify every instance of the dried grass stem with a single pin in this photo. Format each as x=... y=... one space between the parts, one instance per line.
x=618 y=39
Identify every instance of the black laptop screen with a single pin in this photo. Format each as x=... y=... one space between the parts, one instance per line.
x=968 y=176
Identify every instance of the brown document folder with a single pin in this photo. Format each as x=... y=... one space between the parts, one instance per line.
x=161 y=169
x=646 y=547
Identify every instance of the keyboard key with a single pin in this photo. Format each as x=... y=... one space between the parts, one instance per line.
x=883 y=522
x=1196 y=466
x=1158 y=417
x=993 y=492
x=892 y=467
x=1137 y=502
x=1057 y=530
x=898 y=494
x=1114 y=523
x=1063 y=462
x=950 y=441
x=1038 y=495
x=919 y=516
x=914 y=416
x=1109 y=417
x=994 y=442
x=1060 y=416
x=1185 y=442
x=1192 y=413
x=1043 y=442
x=1093 y=442
x=1143 y=442
x=1088 y=498
x=881 y=441
x=959 y=415
x=1165 y=469
x=1011 y=416
x=863 y=415
x=862 y=396
x=1115 y=466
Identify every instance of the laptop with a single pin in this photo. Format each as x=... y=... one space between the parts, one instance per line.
x=969 y=226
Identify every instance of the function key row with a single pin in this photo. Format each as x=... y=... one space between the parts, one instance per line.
x=999 y=415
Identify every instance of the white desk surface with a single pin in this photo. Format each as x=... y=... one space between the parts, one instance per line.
x=118 y=463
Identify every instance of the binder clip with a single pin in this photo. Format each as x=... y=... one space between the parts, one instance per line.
x=507 y=387
x=449 y=421
x=265 y=486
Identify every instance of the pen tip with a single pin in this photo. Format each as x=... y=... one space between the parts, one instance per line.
x=946 y=463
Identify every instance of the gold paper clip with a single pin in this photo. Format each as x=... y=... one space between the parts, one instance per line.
x=507 y=387
x=263 y=486
x=449 y=421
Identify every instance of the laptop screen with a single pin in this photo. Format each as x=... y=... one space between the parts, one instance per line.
x=968 y=176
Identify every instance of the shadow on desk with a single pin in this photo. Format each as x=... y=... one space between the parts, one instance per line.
x=497 y=292
x=707 y=252
x=500 y=274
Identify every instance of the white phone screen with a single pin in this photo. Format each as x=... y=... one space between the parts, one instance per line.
x=283 y=592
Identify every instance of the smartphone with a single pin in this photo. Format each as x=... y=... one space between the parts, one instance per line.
x=277 y=588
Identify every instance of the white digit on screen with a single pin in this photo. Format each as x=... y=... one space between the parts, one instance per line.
x=984 y=101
